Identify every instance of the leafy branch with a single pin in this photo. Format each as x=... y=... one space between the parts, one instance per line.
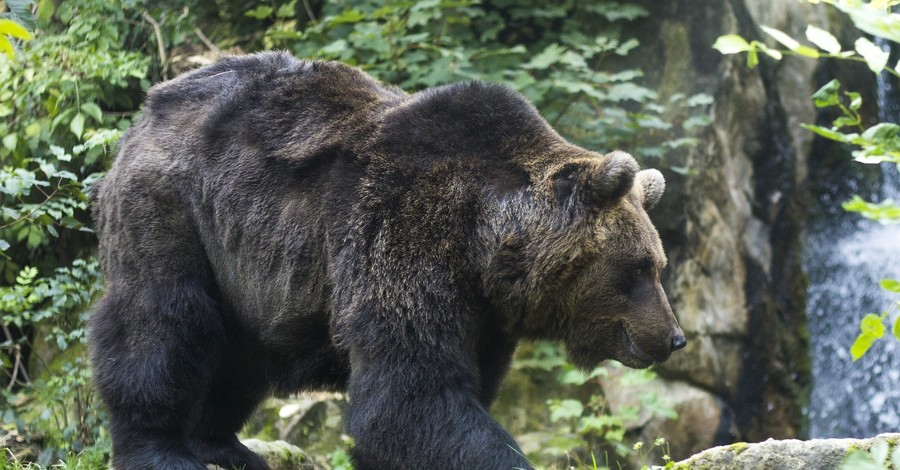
x=877 y=144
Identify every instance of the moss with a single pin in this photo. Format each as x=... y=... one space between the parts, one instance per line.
x=739 y=447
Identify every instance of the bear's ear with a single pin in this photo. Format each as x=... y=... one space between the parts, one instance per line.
x=652 y=185
x=594 y=181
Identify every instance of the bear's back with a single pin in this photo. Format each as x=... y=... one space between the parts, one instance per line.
x=283 y=107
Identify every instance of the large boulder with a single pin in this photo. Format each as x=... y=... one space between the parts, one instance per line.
x=882 y=451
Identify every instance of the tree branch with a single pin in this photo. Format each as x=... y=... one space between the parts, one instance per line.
x=159 y=43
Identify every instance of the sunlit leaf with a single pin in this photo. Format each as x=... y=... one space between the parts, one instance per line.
x=11 y=28
x=891 y=285
x=823 y=39
x=77 y=125
x=859 y=460
x=6 y=47
x=876 y=58
x=872 y=324
x=781 y=37
x=879 y=450
x=10 y=141
x=731 y=44
x=862 y=345
x=773 y=53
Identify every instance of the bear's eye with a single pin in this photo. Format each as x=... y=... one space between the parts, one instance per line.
x=643 y=268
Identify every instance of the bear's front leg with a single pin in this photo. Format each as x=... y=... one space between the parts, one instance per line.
x=413 y=412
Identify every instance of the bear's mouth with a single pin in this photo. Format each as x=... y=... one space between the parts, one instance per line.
x=641 y=359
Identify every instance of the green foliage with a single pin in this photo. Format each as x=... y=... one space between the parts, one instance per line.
x=63 y=103
x=644 y=454
x=340 y=460
x=9 y=28
x=591 y=423
x=879 y=456
x=557 y=55
x=877 y=144
x=872 y=326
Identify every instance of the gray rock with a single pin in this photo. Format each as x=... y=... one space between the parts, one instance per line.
x=280 y=455
x=791 y=454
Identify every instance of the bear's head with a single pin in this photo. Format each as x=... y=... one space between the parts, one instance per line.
x=579 y=260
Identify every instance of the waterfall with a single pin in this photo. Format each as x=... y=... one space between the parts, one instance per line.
x=845 y=260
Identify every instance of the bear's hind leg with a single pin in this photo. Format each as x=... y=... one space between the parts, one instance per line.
x=239 y=385
x=154 y=348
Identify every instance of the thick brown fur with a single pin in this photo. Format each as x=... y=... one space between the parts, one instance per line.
x=273 y=225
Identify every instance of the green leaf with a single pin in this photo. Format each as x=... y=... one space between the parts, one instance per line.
x=875 y=21
x=896 y=329
x=752 y=58
x=872 y=324
x=287 y=10
x=77 y=125
x=871 y=329
x=862 y=345
x=859 y=460
x=566 y=409
x=11 y=28
x=884 y=211
x=549 y=56
x=855 y=100
x=773 y=53
x=781 y=37
x=349 y=16
x=92 y=110
x=891 y=285
x=4 y=245
x=827 y=95
x=879 y=451
x=876 y=58
x=6 y=47
x=45 y=10
x=882 y=131
x=731 y=44
x=35 y=237
x=823 y=39
x=10 y=141
x=260 y=13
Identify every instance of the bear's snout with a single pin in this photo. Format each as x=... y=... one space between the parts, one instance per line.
x=678 y=341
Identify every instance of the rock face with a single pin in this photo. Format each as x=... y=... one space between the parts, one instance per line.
x=733 y=230
x=823 y=454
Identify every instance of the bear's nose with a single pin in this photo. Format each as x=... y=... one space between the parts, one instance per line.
x=678 y=342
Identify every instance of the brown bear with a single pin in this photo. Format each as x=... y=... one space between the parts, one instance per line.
x=273 y=225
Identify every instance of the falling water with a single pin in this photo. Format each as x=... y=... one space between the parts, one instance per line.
x=846 y=259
